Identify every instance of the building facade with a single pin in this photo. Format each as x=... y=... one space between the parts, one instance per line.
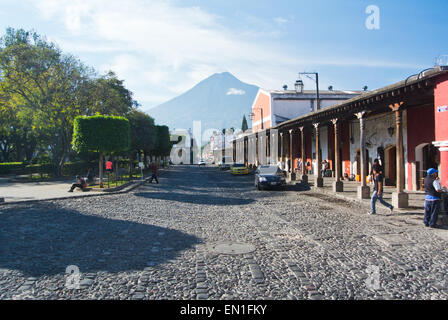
x=404 y=125
x=272 y=107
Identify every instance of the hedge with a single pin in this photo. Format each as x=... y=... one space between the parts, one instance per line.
x=80 y=167
x=11 y=167
x=77 y=168
x=21 y=168
x=101 y=134
x=45 y=168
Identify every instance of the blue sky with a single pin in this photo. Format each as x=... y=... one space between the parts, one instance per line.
x=161 y=48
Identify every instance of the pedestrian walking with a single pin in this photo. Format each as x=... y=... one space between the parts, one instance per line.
x=375 y=166
x=378 y=192
x=154 y=173
x=432 y=198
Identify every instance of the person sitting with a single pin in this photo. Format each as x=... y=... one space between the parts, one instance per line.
x=82 y=184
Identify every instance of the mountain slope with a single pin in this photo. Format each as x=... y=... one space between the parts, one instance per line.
x=219 y=101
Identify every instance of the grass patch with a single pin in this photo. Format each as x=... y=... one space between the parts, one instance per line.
x=113 y=184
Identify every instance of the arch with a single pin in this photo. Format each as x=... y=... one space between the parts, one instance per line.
x=390 y=165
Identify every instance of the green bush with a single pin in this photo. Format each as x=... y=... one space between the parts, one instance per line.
x=45 y=168
x=11 y=167
x=101 y=134
x=77 y=168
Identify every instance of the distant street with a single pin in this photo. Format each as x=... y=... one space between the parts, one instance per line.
x=204 y=234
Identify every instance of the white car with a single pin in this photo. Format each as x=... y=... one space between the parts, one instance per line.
x=201 y=162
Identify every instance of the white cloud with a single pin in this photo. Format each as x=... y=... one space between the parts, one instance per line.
x=162 y=48
x=281 y=21
x=237 y=92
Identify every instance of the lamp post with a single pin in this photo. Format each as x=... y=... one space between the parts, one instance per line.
x=299 y=86
x=252 y=116
x=316 y=79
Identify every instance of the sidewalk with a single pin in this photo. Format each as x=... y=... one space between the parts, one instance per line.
x=13 y=192
x=414 y=212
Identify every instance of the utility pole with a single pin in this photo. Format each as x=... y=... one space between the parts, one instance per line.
x=316 y=79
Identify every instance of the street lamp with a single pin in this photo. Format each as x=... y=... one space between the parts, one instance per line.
x=316 y=79
x=299 y=86
x=252 y=116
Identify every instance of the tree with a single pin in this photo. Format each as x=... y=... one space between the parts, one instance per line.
x=143 y=135
x=163 y=143
x=102 y=134
x=43 y=90
x=108 y=96
x=43 y=85
x=244 y=125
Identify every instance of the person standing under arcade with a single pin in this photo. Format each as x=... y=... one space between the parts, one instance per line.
x=432 y=198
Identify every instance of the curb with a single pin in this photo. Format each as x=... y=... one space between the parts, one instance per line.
x=365 y=202
x=133 y=186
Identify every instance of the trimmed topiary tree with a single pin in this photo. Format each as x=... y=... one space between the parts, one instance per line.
x=102 y=134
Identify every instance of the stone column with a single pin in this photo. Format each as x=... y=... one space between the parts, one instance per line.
x=338 y=185
x=246 y=151
x=318 y=180
x=400 y=199
x=291 y=158
x=281 y=147
x=268 y=147
x=304 y=176
x=256 y=149
x=363 y=189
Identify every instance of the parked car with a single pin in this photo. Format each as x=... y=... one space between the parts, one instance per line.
x=269 y=177
x=201 y=162
x=238 y=169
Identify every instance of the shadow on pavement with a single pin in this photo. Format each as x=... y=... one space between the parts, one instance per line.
x=45 y=239
x=297 y=187
x=205 y=199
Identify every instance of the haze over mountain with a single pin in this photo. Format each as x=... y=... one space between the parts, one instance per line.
x=220 y=101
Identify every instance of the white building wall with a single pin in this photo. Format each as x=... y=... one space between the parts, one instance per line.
x=289 y=109
x=376 y=135
x=323 y=140
x=295 y=108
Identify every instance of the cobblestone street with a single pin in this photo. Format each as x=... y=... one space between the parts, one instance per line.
x=166 y=241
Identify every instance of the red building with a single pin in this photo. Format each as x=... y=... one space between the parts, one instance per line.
x=403 y=124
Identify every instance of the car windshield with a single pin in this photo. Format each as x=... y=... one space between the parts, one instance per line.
x=238 y=165
x=269 y=170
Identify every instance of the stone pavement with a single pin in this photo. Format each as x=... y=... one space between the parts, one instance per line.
x=205 y=234
x=31 y=191
x=415 y=209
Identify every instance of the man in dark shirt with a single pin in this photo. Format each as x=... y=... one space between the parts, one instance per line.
x=81 y=184
x=432 y=198
x=378 y=191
